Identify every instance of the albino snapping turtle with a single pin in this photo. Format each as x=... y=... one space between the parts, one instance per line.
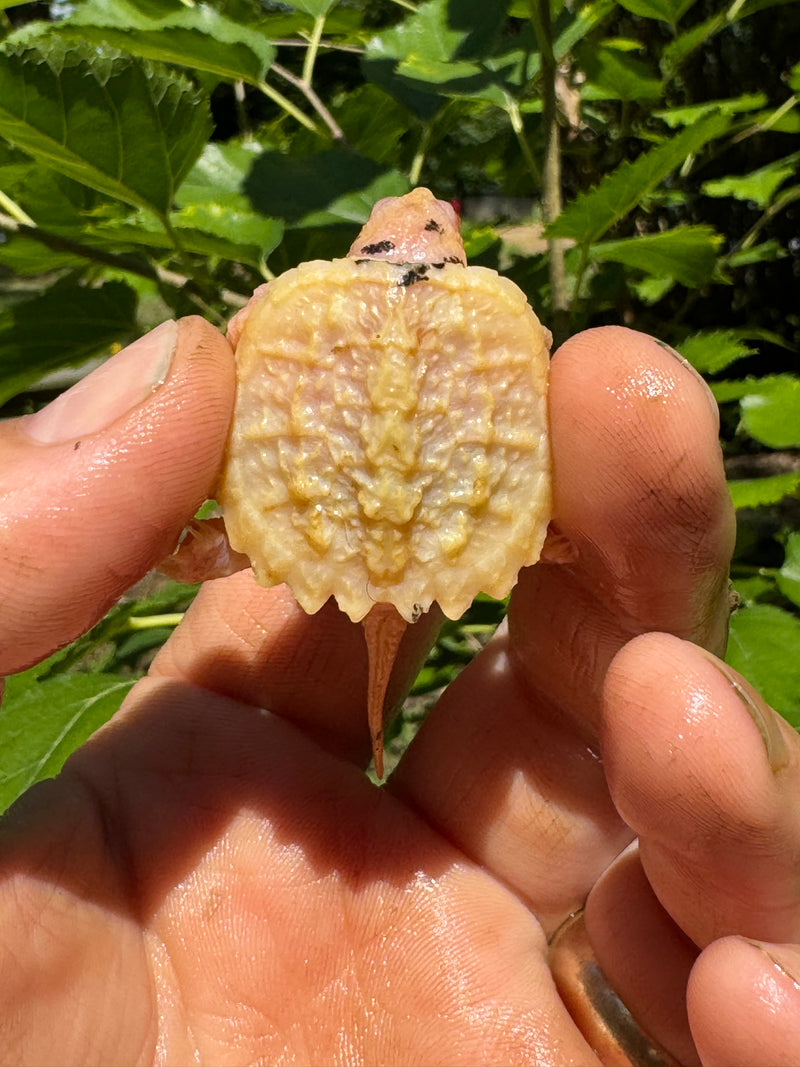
x=389 y=445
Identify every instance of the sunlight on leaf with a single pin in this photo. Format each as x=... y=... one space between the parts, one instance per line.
x=688 y=253
x=712 y=350
x=759 y=186
x=197 y=37
x=764 y=646
x=761 y=492
x=109 y=121
x=773 y=416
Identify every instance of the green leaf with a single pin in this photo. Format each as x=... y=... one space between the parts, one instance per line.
x=207 y=229
x=666 y=10
x=679 y=49
x=773 y=416
x=110 y=122
x=588 y=217
x=764 y=646
x=788 y=577
x=766 y=252
x=317 y=8
x=220 y=169
x=759 y=186
x=651 y=290
x=282 y=187
x=25 y=256
x=444 y=31
x=198 y=37
x=53 y=201
x=675 y=117
x=710 y=351
x=688 y=254
x=442 y=45
x=254 y=235
x=753 y=588
x=760 y=492
x=612 y=74
x=371 y=120
x=42 y=723
x=572 y=27
x=736 y=388
x=61 y=327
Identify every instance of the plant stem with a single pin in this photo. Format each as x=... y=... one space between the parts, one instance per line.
x=149 y=622
x=285 y=104
x=761 y=127
x=313 y=99
x=313 y=48
x=551 y=174
x=774 y=209
x=128 y=264
x=419 y=156
x=517 y=125
x=14 y=210
x=241 y=111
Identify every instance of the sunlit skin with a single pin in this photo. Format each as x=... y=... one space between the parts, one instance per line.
x=209 y=882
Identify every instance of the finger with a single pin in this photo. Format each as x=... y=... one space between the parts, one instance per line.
x=709 y=777
x=257 y=645
x=744 y=1004
x=508 y=763
x=97 y=486
x=640 y=500
x=645 y=957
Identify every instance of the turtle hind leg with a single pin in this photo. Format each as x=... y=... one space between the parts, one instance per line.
x=384 y=627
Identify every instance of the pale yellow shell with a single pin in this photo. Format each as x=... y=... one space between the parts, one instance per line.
x=390 y=442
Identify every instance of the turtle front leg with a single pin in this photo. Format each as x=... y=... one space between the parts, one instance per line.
x=204 y=552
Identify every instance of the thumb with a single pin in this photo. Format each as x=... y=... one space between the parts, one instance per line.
x=96 y=487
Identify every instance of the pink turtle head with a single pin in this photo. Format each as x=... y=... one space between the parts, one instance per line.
x=415 y=228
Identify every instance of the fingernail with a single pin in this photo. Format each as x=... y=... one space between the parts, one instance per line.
x=712 y=403
x=115 y=388
x=785 y=958
x=764 y=718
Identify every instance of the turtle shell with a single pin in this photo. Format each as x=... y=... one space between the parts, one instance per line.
x=389 y=443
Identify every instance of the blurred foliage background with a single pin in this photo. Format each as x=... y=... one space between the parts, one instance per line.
x=630 y=162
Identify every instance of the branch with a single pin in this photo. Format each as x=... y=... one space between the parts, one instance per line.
x=313 y=99
x=551 y=173
x=761 y=464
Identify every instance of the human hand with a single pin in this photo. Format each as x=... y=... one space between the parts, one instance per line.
x=208 y=882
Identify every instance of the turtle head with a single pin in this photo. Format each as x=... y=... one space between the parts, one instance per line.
x=415 y=228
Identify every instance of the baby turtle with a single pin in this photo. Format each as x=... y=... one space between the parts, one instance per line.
x=389 y=446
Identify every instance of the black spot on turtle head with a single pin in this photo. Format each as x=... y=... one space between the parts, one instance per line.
x=433 y=226
x=377 y=248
